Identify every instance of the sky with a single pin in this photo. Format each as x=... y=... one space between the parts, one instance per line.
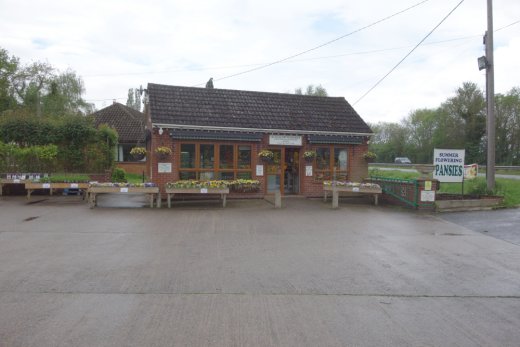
x=116 y=45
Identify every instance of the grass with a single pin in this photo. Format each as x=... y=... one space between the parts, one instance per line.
x=135 y=178
x=508 y=188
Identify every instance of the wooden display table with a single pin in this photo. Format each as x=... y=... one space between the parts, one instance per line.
x=31 y=186
x=153 y=192
x=222 y=191
x=350 y=190
x=4 y=181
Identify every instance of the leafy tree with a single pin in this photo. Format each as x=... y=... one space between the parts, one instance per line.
x=134 y=98
x=8 y=66
x=40 y=89
x=468 y=107
x=507 y=116
x=312 y=90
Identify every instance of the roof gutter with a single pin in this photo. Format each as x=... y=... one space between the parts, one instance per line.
x=283 y=131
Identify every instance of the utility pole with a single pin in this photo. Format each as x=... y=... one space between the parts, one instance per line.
x=490 y=97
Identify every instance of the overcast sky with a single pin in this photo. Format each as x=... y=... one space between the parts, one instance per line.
x=116 y=45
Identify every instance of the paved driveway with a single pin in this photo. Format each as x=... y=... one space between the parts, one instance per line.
x=250 y=275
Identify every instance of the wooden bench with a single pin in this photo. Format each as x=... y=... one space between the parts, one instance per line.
x=374 y=191
x=93 y=191
x=172 y=191
x=31 y=186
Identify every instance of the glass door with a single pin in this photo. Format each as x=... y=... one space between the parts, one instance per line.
x=274 y=171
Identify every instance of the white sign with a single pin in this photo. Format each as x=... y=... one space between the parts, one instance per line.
x=74 y=185
x=427 y=195
x=16 y=181
x=124 y=190
x=470 y=171
x=308 y=170
x=164 y=167
x=204 y=190
x=355 y=189
x=285 y=140
x=259 y=170
x=448 y=165
x=46 y=186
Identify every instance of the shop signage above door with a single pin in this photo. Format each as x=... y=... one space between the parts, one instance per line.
x=285 y=140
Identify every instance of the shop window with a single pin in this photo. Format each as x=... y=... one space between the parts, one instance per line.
x=187 y=156
x=330 y=158
x=226 y=156
x=244 y=157
x=214 y=161
x=207 y=156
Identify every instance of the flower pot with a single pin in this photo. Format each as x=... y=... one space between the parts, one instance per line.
x=138 y=157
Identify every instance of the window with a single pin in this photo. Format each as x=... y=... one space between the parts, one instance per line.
x=329 y=158
x=214 y=161
x=123 y=152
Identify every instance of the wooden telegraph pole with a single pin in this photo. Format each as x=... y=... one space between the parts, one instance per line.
x=490 y=96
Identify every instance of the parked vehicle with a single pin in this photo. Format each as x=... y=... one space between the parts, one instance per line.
x=402 y=160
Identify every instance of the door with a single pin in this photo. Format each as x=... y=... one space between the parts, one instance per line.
x=274 y=172
x=291 y=178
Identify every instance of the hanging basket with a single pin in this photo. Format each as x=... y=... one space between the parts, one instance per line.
x=138 y=157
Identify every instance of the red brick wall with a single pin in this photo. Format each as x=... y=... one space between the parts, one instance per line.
x=133 y=167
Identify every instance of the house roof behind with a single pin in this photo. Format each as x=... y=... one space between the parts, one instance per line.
x=129 y=123
x=252 y=110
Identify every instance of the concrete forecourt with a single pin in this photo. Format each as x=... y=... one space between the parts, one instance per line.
x=250 y=275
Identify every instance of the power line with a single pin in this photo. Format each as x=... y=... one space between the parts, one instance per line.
x=317 y=47
x=289 y=60
x=408 y=54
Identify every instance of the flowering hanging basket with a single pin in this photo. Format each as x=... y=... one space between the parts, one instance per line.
x=266 y=156
x=163 y=152
x=138 y=153
x=309 y=156
x=370 y=157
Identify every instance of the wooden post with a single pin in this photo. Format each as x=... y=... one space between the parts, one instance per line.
x=277 y=199
x=335 y=198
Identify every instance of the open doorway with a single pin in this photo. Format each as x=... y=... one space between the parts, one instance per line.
x=291 y=181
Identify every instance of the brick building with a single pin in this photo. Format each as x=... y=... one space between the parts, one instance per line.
x=130 y=126
x=218 y=133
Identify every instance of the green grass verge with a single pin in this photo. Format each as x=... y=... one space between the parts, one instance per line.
x=135 y=178
x=508 y=188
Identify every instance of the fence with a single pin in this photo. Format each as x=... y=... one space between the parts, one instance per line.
x=417 y=194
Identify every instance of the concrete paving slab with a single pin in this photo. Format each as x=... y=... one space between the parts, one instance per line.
x=251 y=275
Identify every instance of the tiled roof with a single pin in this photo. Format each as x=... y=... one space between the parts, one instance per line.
x=129 y=123
x=247 y=109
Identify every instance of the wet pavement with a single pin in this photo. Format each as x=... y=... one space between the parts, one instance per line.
x=502 y=224
x=249 y=275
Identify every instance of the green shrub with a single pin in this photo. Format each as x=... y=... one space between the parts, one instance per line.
x=118 y=175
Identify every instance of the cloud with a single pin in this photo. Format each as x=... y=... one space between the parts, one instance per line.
x=118 y=45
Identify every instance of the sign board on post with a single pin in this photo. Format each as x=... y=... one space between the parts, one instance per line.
x=470 y=171
x=448 y=165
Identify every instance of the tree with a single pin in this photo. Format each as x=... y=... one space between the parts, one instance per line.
x=312 y=90
x=507 y=112
x=40 y=89
x=134 y=98
x=64 y=96
x=468 y=105
x=8 y=66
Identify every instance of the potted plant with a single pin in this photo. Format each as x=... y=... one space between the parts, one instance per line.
x=370 y=156
x=266 y=156
x=309 y=156
x=138 y=153
x=163 y=152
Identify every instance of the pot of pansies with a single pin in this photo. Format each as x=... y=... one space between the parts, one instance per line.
x=163 y=152
x=309 y=156
x=266 y=156
x=370 y=157
x=138 y=153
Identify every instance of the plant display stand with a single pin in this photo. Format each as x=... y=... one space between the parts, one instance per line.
x=153 y=193
x=375 y=192
x=10 y=181
x=222 y=191
x=31 y=186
